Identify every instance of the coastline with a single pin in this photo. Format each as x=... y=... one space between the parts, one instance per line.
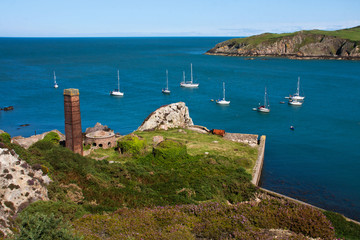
x=289 y=56
x=257 y=176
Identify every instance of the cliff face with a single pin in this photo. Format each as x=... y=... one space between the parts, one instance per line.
x=297 y=45
x=20 y=185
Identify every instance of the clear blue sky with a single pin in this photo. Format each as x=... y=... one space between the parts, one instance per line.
x=81 y=18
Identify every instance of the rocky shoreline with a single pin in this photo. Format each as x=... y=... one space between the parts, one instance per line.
x=299 y=45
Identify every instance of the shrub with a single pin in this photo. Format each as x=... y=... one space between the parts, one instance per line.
x=67 y=210
x=44 y=227
x=169 y=149
x=52 y=137
x=5 y=137
x=131 y=144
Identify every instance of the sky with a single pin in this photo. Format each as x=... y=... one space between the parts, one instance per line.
x=133 y=18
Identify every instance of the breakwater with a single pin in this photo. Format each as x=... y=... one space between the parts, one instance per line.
x=259 y=161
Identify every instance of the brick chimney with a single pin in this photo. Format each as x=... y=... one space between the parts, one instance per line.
x=73 y=130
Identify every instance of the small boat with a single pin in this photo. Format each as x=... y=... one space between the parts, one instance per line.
x=296 y=96
x=266 y=107
x=223 y=101
x=292 y=128
x=190 y=84
x=116 y=92
x=282 y=102
x=295 y=102
x=55 y=83
x=166 y=90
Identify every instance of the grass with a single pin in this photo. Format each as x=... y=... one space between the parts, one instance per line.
x=352 y=34
x=198 y=144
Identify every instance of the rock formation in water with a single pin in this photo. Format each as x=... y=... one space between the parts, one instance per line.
x=169 y=116
x=313 y=44
x=20 y=184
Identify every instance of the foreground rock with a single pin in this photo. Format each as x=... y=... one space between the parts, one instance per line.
x=27 y=142
x=302 y=45
x=20 y=185
x=169 y=116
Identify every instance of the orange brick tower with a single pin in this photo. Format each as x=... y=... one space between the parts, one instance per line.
x=73 y=130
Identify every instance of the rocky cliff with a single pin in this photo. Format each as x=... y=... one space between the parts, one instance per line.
x=20 y=185
x=169 y=116
x=313 y=44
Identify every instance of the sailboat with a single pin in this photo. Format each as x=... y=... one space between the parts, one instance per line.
x=116 y=92
x=189 y=84
x=266 y=107
x=166 y=90
x=296 y=99
x=223 y=101
x=55 y=83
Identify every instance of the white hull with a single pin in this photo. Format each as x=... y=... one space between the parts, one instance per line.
x=55 y=85
x=297 y=98
x=263 y=110
x=189 y=85
x=223 y=102
x=166 y=91
x=116 y=93
x=295 y=103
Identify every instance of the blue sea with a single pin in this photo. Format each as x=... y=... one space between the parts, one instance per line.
x=318 y=162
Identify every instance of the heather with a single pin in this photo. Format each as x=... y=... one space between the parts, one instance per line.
x=248 y=220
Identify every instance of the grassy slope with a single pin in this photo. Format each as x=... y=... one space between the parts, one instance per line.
x=352 y=34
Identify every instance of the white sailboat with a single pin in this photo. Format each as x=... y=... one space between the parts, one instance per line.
x=55 y=83
x=266 y=107
x=223 y=101
x=296 y=99
x=189 y=84
x=116 y=92
x=166 y=90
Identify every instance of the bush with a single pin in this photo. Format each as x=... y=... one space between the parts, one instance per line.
x=131 y=144
x=5 y=137
x=170 y=149
x=52 y=137
x=66 y=210
x=44 y=227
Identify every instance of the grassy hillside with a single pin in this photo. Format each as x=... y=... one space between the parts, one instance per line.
x=352 y=34
x=169 y=191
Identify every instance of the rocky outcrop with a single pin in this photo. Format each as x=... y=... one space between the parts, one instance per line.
x=20 y=185
x=27 y=142
x=301 y=45
x=98 y=127
x=169 y=116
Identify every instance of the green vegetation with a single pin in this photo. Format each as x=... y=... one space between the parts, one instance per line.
x=209 y=221
x=44 y=227
x=5 y=137
x=189 y=186
x=52 y=137
x=344 y=229
x=198 y=144
x=352 y=34
x=131 y=144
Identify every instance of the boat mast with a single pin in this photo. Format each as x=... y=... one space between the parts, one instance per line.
x=191 y=73
x=167 y=80
x=54 y=78
x=184 y=76
x=224 y=90
x=298 y=87
x=265 y=98
x=118 y=81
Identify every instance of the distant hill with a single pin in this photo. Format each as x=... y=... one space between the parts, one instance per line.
x=313 y=44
